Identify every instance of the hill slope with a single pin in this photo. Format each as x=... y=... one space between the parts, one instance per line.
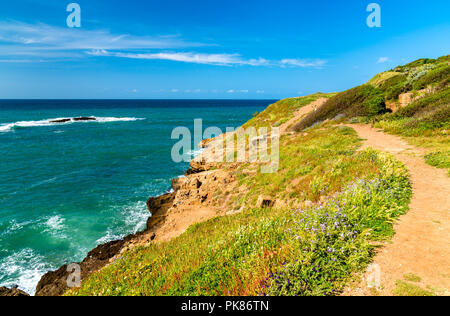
x=313 y=225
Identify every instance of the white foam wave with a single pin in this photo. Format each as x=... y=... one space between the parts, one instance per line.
x=195 y=153
x=24 y=268
x=7 y=127
x=136 y=216
x=54 y=226
x=55 y=222
x=110 y=236
x=15 y=226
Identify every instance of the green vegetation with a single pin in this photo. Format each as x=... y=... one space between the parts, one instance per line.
x=334 y=236
x=425 y=122
x=364 y=100
x=312 y=165
x=426 y=116
x=394 y=86
x=412 y=277
x=407 y=289
x=282 y=111
x=439 y=159
x=436 y=75
x=337 y=201
x=240 y=254
x=380 y=78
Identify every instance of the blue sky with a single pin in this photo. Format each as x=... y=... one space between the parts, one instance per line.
x=209 y=48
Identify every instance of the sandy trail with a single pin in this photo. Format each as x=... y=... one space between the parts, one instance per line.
x=422 y=241
x=300 y=113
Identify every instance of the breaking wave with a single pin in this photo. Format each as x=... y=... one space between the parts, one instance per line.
x=7 y=127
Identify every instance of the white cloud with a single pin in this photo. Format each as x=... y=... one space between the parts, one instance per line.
x=186 y=57
x=22 y=41
x=382 y=60
x=303 y=63
x=230 y=91
x=211 y=59
x=41 y=40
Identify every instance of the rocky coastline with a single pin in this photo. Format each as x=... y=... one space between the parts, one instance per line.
x=190 y=201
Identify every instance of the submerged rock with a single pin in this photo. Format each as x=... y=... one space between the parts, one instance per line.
x=75 y=119
x=61 y=121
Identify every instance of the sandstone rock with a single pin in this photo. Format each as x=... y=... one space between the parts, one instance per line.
x=155 y=203
x=177 y=183
x=12 y=292
x=195 y=184
x=405 y=99
x=204 y=143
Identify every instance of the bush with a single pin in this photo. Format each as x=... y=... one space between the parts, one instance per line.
x=415 y=64
x=430 y=104
x=433 y=77
x=394 y=86
x=364 y=100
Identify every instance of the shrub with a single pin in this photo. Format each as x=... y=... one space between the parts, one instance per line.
x=434 y=76
x=394 y=86
x=364 y=100
x=430 y=104
x=415 y=64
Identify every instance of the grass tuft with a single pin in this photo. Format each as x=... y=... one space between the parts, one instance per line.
x=407 y=289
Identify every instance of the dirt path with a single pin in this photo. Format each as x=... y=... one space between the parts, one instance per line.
x=421 y=245
x=300 y=113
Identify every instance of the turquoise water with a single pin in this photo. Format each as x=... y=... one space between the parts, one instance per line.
x=65 y=188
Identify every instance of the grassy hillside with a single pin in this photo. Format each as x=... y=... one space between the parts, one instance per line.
x=312 y=250
x=282 y=111
x=425 y=121
x=344 y=199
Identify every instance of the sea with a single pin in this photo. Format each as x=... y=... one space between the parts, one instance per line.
x=67 y=187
